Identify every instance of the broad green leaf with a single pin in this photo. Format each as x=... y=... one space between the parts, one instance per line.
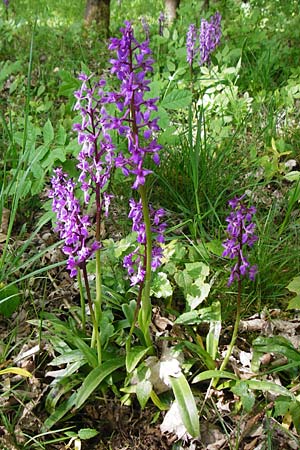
x=186 y=404
x=9 y=299
x=143 y=391
x=95 y=378
x=17 y=371
x=276 y=344
x=197 y=269
x=128 y=310
x=188 y=318
x=247 y=397
x=212 y=338
x=196 y=293
x=269 y=386
x=161 y=286
x=134 y=355
x=87 y=433
x=210 y=374
x=282 y=406
x=294 y=175
x=48 y=132
x=177 y=99
x=295 y=413
x=294 y=286
x=164 y=119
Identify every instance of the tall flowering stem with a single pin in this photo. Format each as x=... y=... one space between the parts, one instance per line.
x=96 y=160
x=132 y=64
x=240 y=230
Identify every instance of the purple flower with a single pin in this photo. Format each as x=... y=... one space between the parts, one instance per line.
x=161 y=23
x=71 y=224
x=135 y=261
x=132 y=64
x=97 y=154
x=209 y=38
x=240 y=230
x=6 y=3
x=191 y=39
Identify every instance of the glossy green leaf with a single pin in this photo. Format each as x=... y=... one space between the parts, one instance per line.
x=276 y=344
x=212 y=338
x=87 y=433
x=210 y=374
x=134 y=356
x=269 y=386
x=186 y=404
x=143 y=391
x=95 y=378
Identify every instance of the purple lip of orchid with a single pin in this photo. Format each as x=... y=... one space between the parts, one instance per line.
x=240 y=231
x=209 y=38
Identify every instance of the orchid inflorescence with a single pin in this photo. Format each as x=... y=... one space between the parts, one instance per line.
x=133 y=121
x=240 y=231
x=204 y=41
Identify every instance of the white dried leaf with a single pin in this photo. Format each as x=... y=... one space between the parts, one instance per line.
x=173 y=424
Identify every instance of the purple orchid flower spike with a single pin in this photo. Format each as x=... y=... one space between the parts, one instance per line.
x=240 y=230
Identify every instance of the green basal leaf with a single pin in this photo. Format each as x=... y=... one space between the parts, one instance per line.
x=128 y=310
x=95 y=378
x=212 y=338
x=134 y=356
x=186 y=404
x=87 y=433
x=9 y=299
x=269 y=386
x=210 y=374
x=276 y=344
x=143 y=392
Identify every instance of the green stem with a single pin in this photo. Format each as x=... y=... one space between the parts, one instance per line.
x=82 y=301
x=95 y=341
x=238 y=312
x=146 y=308
x=235 y=329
